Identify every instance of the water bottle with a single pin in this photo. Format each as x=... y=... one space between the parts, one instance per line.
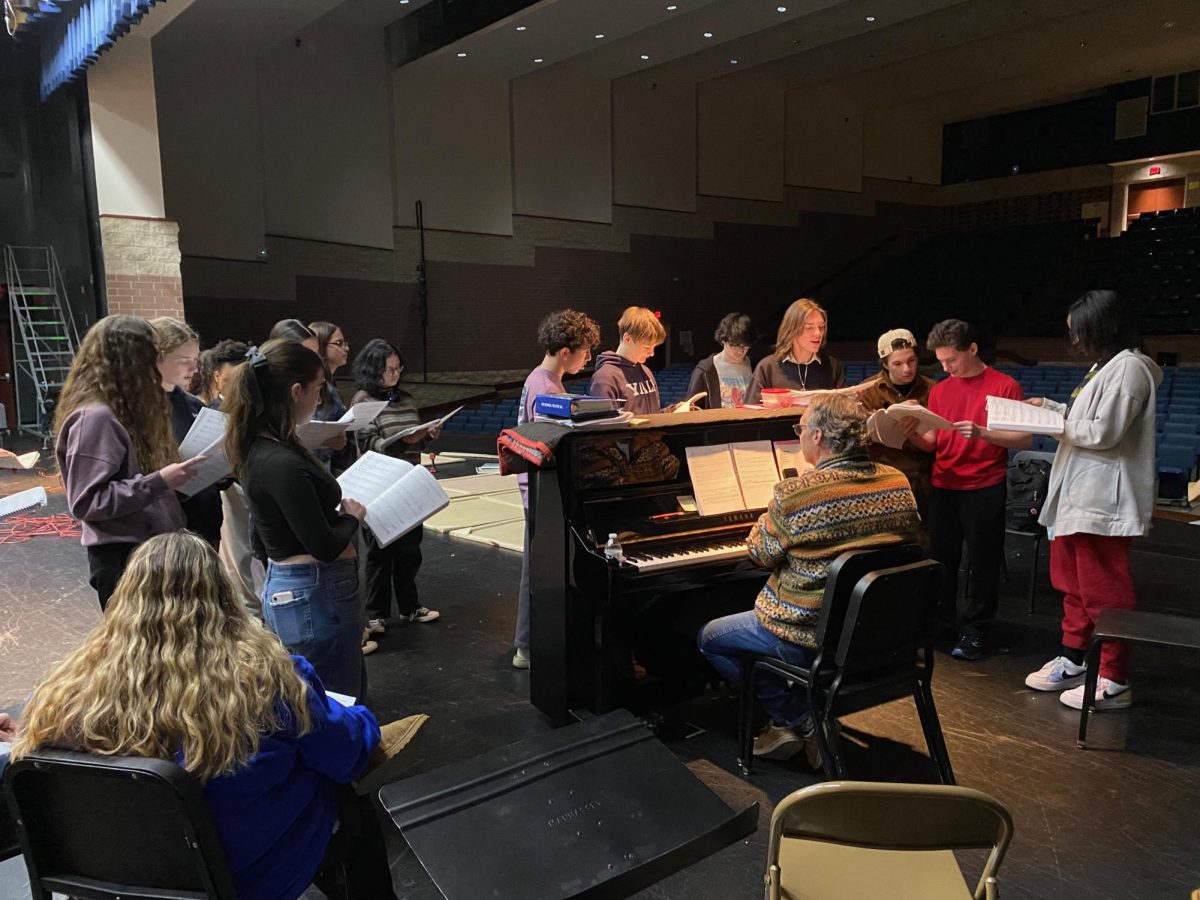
x=612 y=549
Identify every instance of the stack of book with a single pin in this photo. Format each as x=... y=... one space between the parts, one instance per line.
x=569 y=407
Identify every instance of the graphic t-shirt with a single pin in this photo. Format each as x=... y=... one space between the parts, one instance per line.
x=960 y=464
x=733 y=376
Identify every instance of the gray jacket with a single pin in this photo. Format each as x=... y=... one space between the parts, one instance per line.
x=1102 y=479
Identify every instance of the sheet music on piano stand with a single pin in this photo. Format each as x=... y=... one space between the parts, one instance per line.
x=738 y=476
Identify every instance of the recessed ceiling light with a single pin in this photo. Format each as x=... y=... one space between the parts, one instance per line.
x=708 y=34
x=520 y=28
x=672 y=8
x=538 y=59
x=870 y=18
x=1165 y=24
x=781 y=9
x=644 y=56
x=733 y=62
x=599 y=36
x=461 y=55
x=404 y=2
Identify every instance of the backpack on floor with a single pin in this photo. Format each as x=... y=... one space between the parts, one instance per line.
x=1028 y=484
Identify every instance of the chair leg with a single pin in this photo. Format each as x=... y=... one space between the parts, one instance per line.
x=1089 y=689
x=746 y=718
x=935 y=741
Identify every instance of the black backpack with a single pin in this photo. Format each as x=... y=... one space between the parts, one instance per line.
x=1028 y=483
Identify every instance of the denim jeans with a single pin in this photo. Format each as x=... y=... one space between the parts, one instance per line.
x=726 y=641
x=323 y=620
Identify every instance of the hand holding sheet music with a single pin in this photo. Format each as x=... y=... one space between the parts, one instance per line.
x=417 y=429
x=205 y=438
x=684 y=406
x=398 y=495
x=315 y=433
x=1014 y=415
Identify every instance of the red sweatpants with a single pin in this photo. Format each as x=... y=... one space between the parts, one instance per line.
x=1092 y=571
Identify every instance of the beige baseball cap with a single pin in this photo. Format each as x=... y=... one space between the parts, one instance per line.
x=896 y=339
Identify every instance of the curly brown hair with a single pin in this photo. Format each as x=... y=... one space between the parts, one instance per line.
x=567 y=328
x=117 y=366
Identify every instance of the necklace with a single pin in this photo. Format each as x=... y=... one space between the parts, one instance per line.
x=803 y=376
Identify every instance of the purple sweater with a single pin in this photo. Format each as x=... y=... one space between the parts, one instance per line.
x=106 y=490
x=539 y=382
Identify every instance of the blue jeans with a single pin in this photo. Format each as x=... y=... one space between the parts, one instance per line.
x=726 y=641
x=323 y=620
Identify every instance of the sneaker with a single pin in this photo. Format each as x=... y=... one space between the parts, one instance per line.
x=1109 y=695
x=969 y=647
x=521 y=659
x=1060 y=674
x=377 y=626
x=369 y=647
x=778 y=742
x=424 y=614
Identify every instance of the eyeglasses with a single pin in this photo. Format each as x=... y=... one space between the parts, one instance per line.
x=393 y=370
x=799 y=428
x=344 y=344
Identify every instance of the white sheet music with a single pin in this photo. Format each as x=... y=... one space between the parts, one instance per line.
x=398 y=496
x=371 y=476
x=1014 y=415
x=208 y=428
x=788 y=455
x=757 y=472
x=927 y=420
x=22 y=501
x=400 y=435
x=314 y=433
x=23 y=461
x=714 y=480
x=882 y=428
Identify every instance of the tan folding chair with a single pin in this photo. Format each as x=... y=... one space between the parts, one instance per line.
x=856 y=840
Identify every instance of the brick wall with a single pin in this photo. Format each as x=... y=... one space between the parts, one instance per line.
x=141 y=266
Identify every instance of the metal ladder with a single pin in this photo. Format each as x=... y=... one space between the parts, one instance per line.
x=44 y=336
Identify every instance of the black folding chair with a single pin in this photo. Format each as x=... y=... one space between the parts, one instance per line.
x=874 y=646
x=104 y=828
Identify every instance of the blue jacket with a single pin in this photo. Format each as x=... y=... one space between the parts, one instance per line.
x=275 y=817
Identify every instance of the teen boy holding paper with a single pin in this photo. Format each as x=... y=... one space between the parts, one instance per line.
x=622 y=373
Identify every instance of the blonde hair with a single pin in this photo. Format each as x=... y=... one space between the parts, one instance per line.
x=172 y=333
x=177 y=666
x=641 y=324
x=793 y=323
x=117 y=366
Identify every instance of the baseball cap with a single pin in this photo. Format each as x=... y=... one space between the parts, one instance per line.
x=896 y=339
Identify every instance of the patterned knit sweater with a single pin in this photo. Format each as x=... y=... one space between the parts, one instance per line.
x=846 y=503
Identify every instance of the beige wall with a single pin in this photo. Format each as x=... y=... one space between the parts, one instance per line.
x=125 y=131
x=824 y=140
x=654 y=142
x=740 y=132
x=562 y=145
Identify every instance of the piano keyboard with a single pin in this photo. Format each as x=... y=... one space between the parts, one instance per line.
x=659 y=560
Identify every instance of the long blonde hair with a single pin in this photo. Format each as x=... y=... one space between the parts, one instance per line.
x=117 y=366
x=793 y=322
x=172 y=333
x=177 y=666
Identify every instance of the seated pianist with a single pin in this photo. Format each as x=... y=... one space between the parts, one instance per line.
x=178 y=670
x=846 y=502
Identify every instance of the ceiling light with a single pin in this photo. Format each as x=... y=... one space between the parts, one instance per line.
x=708 y=34
x=672 y=8
x=461 y=54
x=520 y=28
x=404 y=2
x=599 y=36
x=870 y=18
x=733 y=62
x=644 y=56
x=781 y=9
x=538 y=59
x=1165 y=24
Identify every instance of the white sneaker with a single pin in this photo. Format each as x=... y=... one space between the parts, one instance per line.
x=1059 y=674
x=1109 y=695
x=424 y=614
x=521 y=659
x=377 y=626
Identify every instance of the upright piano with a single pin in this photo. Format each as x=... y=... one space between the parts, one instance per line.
x=606 y=635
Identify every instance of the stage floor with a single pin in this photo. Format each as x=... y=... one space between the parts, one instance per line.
x=1116 y=821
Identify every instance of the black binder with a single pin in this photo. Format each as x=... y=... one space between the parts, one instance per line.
x=599 y=809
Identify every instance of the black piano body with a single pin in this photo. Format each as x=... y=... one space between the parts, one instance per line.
x=591 y=618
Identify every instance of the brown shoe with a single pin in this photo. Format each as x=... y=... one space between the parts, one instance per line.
x=387 y=763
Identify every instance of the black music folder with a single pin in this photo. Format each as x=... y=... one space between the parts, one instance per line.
x=600 y=809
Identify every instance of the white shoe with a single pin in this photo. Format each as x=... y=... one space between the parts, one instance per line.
x=369 y=647
x=521 y=659
x=1109 y=695
x=1059 y=674
x=377 y=626
x=424 y=614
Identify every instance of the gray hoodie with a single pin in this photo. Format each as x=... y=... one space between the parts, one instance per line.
x=615 y=376
x=1102 y=479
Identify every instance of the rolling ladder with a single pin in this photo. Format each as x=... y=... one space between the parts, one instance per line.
x=44 y=336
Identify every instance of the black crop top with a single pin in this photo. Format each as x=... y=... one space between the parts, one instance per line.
x=293 y=503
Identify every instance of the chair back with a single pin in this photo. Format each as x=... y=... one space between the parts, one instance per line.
x=844 y=574
x=891 y=615
x=119 y=826
x=882 y=816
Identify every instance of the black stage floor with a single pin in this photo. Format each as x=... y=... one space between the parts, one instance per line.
x=1115 y=822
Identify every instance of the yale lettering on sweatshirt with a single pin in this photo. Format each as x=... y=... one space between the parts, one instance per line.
x=641 y=388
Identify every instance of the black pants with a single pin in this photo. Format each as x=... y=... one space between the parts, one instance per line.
x=393 y=569
x=978 y=518
x=106 y=563
x=356 y=865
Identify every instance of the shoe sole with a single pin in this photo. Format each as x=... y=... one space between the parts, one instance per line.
x=1122 y=700
x=1065 y=685
x=781 y=751
x=522 y=664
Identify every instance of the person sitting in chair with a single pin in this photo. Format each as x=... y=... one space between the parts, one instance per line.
x=178 y=670
x=845 y=502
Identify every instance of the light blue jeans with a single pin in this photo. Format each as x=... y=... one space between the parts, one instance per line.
x=726 y=641
x=323 y=620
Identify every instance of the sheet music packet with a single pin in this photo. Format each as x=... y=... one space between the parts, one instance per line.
x=417 y=429
x=398 y=495
x=734 y=477
x=23 y=461
x=314 y=433
x=1014 y=415
x=205 y=438
x=883 y=425
x=685 y=406
x=22 y=501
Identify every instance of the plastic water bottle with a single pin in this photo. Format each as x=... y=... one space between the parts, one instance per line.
x=613 y=550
